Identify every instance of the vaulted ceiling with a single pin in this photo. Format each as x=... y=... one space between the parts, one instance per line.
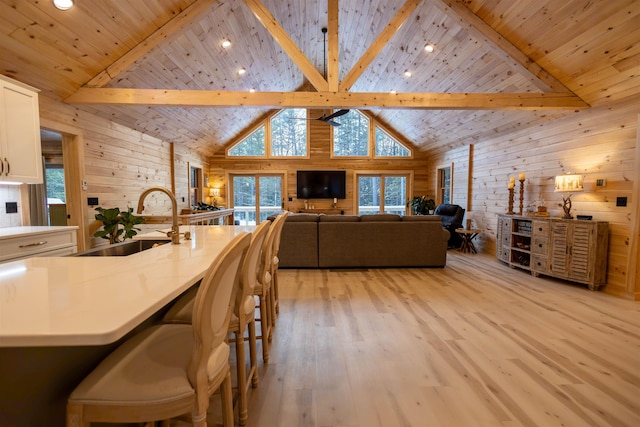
x=158 y=66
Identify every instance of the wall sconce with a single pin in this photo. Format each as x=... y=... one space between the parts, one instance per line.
x=568 y=184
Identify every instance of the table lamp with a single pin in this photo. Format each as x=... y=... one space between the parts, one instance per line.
x=213 y=193
x=568 y=184
x=470 y=216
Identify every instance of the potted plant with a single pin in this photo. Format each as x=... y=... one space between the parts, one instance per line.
x=112 y=219
x=422 y=205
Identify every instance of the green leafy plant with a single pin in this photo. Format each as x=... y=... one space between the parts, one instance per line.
x=112 y=219
x=422 y=205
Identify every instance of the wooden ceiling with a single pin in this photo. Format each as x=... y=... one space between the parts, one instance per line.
x=157 y=66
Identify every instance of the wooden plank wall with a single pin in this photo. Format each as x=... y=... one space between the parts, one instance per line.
x=599 y=143
x=320 y=158
x=120 y=163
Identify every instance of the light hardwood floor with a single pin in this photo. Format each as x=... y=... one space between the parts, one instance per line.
x=473 y=344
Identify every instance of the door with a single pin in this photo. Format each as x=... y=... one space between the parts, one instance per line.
x=256 y=197
x=382 y=193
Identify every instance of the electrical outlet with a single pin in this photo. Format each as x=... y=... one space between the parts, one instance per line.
x=601 y=182
x=621 y=201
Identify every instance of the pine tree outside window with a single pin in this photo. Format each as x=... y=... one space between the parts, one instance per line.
x=351 y=138
x=289 y=133
x=388 y=146
x=251 y=146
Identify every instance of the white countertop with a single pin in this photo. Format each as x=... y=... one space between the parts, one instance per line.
x=68 y=301
x=11 y=232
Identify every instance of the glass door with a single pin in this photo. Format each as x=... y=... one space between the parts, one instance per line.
x=256 y=197
x=382 y=193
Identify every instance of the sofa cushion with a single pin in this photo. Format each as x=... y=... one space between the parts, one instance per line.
x=303 y=217
x=380 y=217
x=339 y=218
x=421 y=218
x=382 y=244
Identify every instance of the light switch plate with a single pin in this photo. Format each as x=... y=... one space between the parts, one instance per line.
x=11 y=207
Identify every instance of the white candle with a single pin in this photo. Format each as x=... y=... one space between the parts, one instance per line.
x=335 y=200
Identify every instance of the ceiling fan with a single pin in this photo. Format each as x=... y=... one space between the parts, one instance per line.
x=324 y=117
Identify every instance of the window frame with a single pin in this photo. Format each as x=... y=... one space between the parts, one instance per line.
x=440 y=185
x=269 y=155
x=393 y=136
x=266 y=123
x=409 y=174
x=282 y=174
x=369 y=154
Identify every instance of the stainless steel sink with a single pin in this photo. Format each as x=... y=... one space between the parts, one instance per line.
x=123 y=249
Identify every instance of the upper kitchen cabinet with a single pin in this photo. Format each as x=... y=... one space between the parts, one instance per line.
x=20 y=151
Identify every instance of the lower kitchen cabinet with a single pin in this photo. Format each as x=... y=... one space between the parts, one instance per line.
x=26 y=242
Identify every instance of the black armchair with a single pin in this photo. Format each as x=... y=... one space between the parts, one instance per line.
x=451 y=216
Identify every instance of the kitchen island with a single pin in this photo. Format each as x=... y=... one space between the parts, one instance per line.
x=59 y=316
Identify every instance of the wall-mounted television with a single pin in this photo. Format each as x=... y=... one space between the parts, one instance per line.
x=321 y=184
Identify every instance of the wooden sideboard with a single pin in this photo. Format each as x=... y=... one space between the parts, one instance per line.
x=568 y=249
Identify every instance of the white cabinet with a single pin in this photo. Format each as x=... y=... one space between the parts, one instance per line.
x=27 y=242
x=20 y=152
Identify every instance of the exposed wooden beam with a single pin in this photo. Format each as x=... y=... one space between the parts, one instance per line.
x=333 y=72
x=383 y=38
x=501 y=47
x=436 y=101
x=175 y=25
x=287 y=44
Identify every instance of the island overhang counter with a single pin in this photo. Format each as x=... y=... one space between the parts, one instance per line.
x=60 y=316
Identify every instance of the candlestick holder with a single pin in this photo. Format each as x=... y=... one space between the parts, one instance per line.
x=511 y=193
x=521 y=195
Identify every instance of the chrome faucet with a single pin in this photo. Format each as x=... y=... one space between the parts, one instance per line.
x=175 y=228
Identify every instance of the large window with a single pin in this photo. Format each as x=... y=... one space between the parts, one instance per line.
x=388 y=146
x=351 y=138
x=289 y=133
x=285 y=135
x=251 y=146
x=256 y=197
x=382 y=193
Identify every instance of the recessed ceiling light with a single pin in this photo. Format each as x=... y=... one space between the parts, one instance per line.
x=407 y=73
x=241 y=71
x=63 y=4
x=225 y=43
x=429 y=48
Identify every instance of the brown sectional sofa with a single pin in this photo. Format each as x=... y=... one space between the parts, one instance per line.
x=327 y=241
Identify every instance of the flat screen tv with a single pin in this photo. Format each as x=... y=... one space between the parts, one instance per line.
x=321 y=184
